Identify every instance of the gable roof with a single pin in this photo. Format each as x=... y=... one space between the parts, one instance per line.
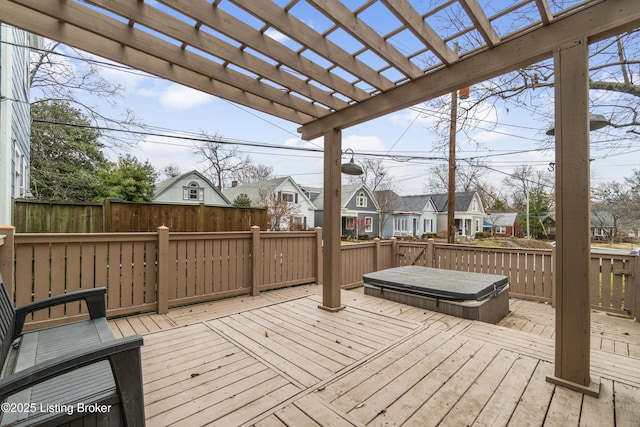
x=462 y=200
x=415 y=203
x=252 y=189
x=503 y=219
x=163 y=186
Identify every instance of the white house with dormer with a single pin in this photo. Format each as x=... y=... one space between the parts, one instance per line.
x=189 y=188
x=285 y=189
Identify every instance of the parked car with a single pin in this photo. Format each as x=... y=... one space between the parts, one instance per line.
x=635 y=251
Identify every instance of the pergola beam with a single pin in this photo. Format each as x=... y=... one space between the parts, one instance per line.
x=163 y=23
x=481 y=21
x=593 y=23
x=81 y=17
x=340 y=14
x=232 y=27
x=21 y=17
x=423 y=31
x=299 y=31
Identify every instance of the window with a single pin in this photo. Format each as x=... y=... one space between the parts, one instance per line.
x=427 y=226
x=350 y=223
x=477 y=225
x=193 y=192
x=401 y=225
x=474 y=205
x=501 y=229
x=288 y=197
x=361 y=200
x=368 y=224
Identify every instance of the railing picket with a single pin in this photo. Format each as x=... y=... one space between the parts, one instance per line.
x=205 y=266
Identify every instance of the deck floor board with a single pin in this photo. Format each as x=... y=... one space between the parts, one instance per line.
x=277 y=360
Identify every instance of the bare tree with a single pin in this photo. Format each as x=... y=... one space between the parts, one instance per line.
x=252 y=172
x=388 y=201
x=76 y=79
x=375 y=175
x=282 y=213
x=221 y=161
x=469 y=177
x=170 y=171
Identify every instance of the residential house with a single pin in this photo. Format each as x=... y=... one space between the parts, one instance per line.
x=503 y=224
x=189 y=188
x=15 y=116
x=603 y=226
x=469 y=213
x=288 y=204
x=413 y=216
x=360 y=211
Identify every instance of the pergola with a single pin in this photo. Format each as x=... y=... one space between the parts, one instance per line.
x=343 y=71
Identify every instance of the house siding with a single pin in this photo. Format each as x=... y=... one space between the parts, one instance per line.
x=15 y=120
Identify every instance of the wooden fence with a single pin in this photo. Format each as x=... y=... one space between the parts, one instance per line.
x=36 y=216
x=146 y=272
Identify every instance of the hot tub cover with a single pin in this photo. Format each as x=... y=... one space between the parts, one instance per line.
x=438 y=283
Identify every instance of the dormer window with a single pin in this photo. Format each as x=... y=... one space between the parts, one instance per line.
x=361 y=200
x=193 y=192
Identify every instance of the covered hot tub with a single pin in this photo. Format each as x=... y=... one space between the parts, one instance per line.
x=475 y=296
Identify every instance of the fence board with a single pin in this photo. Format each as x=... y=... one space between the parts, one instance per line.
x=205 y=266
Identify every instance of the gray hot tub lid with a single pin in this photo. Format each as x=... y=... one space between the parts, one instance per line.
x=438 y=283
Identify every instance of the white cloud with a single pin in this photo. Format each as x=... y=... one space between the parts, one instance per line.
x=276 y=35
x=363 y=143
x=183 y=98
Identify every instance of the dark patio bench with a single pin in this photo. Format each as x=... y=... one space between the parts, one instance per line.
x=75 y=374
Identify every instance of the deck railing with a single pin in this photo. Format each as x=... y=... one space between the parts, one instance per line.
x=145 y=272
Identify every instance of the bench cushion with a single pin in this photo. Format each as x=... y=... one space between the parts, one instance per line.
x=90 y=384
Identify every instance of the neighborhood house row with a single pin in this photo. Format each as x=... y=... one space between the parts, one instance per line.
x=363 y=212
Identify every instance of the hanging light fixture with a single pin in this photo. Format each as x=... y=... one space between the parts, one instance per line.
x=596 y=121
x=351 y=168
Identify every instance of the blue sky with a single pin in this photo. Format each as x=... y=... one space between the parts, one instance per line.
x=173 y=109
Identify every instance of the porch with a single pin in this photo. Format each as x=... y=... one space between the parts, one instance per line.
x=274 y=359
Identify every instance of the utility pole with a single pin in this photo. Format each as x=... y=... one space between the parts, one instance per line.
x=451 y=199
x=453 y=128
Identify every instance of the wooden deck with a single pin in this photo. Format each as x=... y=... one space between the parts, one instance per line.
x=277 y=360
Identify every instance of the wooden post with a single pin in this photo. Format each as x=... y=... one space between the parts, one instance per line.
x=164 y=261
x=395 y=257
x=573 y=248
x=106 y=216
x=553 y=278
x=7 y=256
x=256 y=260
x=430 y=253
x=319 y=256
x=332 y=259
x=377 y=256
x=635 y=302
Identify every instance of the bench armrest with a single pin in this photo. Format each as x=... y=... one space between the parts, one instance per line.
x=51 y=368
x=94 y=297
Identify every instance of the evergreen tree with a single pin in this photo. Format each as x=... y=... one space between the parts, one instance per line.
x=65 y=154
x=242 y=201
x=129 y=179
